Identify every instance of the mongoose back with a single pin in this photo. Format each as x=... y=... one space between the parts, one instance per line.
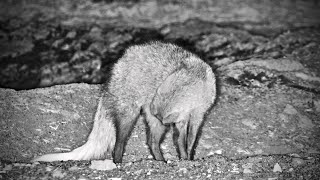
x=159 y=81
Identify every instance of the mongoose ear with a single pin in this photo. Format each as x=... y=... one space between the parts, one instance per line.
x=170 y=84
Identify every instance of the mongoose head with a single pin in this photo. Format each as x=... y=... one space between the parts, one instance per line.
x=180 y=94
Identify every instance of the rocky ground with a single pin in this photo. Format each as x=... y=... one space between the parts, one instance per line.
x=265 y=123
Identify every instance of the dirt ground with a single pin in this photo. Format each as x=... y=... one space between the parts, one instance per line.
x=265 y=124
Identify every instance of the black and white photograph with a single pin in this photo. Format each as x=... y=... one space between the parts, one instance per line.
x=160 y=89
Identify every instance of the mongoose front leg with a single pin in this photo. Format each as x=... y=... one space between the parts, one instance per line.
x=156 y=132
x=195 y=123
x=182 y=127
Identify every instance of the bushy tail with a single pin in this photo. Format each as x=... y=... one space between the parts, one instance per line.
x=101 y=140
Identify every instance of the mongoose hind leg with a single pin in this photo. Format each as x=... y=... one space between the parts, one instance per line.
x=126 y=120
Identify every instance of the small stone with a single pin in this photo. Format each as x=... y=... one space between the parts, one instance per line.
x=251 y=124
x=275 y=54
x=247 y=171
x=207 y=145
x=102 y=165
x=95 y=33
x=7 y=167
x=271 y=134
x=235 y=168
x=18 y=164
x=210 y=153
x=73 y=168
x=57 y=43
x=223 y=61
x=283 y=117
x=138 y=172
x=289 y=109
x=240 y=150
x=183 y=170
x=297 y=161
x=223 y=89
x=128 y=164
x=58 y=174
x=71 y=34
x=219 y=151
x=305 y=122
x=49 y=168
x=291 y=169
x=42 y=34
x=258 y=151
x=165 y=30
x=277 y=168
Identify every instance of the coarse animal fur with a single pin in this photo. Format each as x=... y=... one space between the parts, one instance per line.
x=159 y=81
